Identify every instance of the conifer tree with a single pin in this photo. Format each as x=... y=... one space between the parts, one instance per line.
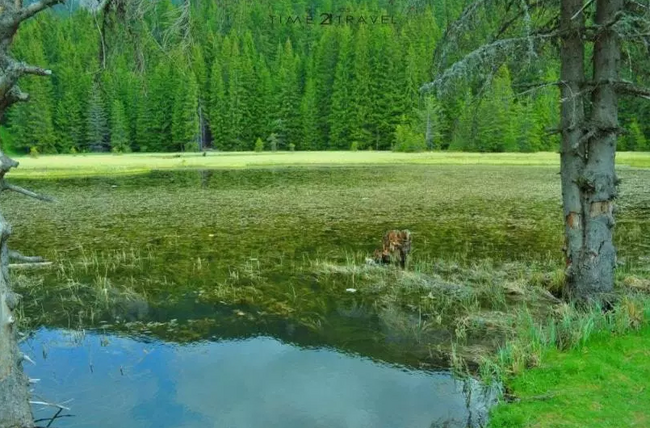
x=387 y=100
x=235 y=101
x=185 y=123
x=361 y=96
x=496 y=119
x=325 y=58
x=342 y=112
x=309 y=117
x=97 y=123
x=217 y=105
x=120 y=141
x=288 y=96
x=32 y=124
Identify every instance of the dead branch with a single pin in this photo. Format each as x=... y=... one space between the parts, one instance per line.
x=623 y=87
x=27 y=259
x=31 y=69
x=630 y=89
x=13 y=187
x=32 y=265
x=533 y=87
x=34 y=8
x=45 y=403
x=582 y=9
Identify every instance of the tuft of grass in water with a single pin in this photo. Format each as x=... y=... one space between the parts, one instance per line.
x=497 y=318
x=84 y=291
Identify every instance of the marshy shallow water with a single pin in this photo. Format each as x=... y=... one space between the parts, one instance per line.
x=208 y=288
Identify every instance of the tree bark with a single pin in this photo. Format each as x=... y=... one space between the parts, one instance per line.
x=14 y=387
x=573 y=151
x=588 y=152
x=15 y=409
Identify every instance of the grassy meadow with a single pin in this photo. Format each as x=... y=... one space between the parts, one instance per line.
x=134 y=163
x=186 y=247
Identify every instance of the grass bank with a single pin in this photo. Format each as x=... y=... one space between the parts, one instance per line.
x=603 y=383
x=134 y=163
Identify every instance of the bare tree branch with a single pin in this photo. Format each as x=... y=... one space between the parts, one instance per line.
x=18 y=189
x=23 y=68
x=35 y=8
x=27 y=259
x=628 y=88
x=589 y=3
x=482 y=55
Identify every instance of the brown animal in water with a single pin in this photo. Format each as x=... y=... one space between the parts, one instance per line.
x=396 y=246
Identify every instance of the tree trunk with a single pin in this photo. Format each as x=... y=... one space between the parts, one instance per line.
x=14 y=387
x=572 y=54
x=588 y=152
x=15 y=409
x=429 y=136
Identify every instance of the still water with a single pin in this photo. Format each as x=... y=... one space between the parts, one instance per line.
x=112 y=381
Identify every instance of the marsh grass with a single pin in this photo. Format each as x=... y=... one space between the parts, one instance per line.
x=85 y=291
x=495 y=319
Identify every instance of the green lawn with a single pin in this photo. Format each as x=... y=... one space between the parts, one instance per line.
x=604 y=384
x=99 y=164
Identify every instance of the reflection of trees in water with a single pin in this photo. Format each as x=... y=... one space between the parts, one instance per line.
x=206 y=176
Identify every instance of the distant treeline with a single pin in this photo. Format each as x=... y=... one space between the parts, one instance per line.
x=303 y=75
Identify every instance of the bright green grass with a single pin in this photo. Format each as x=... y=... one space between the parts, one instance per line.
x=604 y=384
x=101 y=164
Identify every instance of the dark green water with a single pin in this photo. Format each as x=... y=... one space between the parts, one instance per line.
x=242 y=332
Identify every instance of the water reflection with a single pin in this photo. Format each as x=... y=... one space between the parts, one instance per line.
x=258 y=382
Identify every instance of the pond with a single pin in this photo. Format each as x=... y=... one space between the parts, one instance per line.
x=253 y=382
x=207 y=288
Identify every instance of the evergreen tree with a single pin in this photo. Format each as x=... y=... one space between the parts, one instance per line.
x=32 y=124
x=430 y=122
x=309 y=116
x=288 y=96
x=185 y=124
x=387 y=100
x=120 y=141
x=69 y=113
x=97 y=124
x=250 y=94
x=634 y=139
x=234 y=133
x=464 y=135
x=361 y=96
x=325 y=58
x=342 y=113
x=162 y=86
x=496 y=121
x=217 y=105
